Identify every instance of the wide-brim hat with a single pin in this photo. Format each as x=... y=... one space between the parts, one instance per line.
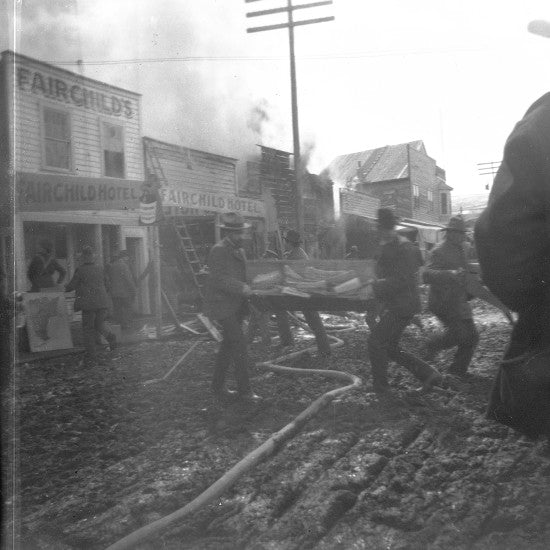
x=386 y=218
x=456 y=223
x=233 y=221
x=293 y=237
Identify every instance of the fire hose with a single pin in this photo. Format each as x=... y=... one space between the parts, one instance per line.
x=268 y=448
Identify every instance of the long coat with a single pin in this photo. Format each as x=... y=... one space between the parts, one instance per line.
x=397 y=285
x=224 y=287
x=448 y=296
x=122 y=283
x=90 y=284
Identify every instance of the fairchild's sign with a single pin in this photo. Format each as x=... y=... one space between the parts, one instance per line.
x=49 y=192
x=214 y=202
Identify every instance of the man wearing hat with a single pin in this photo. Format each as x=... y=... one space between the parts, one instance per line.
x=398 y=301
x=225 y=300
x=90 y=286
x=123 y=289
x=448 y=298
x=43 y=267
x=313 y=319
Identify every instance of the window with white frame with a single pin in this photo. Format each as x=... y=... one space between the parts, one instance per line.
x=56 y=139
x=416 y=196
x=430 y=201
x=112 y=142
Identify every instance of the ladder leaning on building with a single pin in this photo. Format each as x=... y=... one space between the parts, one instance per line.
x=188 y=260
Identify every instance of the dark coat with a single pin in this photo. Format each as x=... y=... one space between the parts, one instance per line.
x=448 y=296
x=512 y=235
x=90 y=285
x=512 y=238
x=121 y=282
x=397 y=285
x=41 y=271
x=224 y=286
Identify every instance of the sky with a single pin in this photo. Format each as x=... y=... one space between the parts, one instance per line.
x=457 y=74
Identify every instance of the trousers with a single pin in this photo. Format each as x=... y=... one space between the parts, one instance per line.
x=233 y=352
x=93 y=325
x=313 y=319
x=383 y=345
x=458 y=332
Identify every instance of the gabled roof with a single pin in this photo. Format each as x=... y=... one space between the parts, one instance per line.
x=381 y=164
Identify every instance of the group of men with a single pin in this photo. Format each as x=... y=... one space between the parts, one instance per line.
x=512 y=239
x=99 y=293
x=397 y=298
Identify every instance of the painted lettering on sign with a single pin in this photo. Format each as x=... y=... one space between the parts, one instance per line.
x=37 y=192
x=55 y=88
x=214 y=202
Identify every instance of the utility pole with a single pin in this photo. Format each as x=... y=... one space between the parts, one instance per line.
x=289 y=9
x=488 y=169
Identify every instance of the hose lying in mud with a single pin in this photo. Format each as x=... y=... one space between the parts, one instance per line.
x=268 y=448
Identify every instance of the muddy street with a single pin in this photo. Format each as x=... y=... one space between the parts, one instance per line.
x=102 y=454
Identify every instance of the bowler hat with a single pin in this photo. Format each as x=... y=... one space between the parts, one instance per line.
x=386 y=218
x=293 y=237
x=456 y=223
x=233 y=221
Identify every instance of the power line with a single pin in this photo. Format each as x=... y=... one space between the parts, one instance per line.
x=320 y=57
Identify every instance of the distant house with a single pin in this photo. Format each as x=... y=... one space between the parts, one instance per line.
x=401 y=177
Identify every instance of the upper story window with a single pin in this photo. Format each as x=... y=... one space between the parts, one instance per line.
x=444 y=203
x=112 y=142
x=430 y=201
x=57 y=139
x=416 y=196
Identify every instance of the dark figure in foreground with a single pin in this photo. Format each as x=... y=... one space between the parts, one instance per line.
x=226 y=294
x=43 y=267
x=512 y=238
x=445 y=272
x=122 y=289
x=91 y=297
x=397 y=296
x=313 y=319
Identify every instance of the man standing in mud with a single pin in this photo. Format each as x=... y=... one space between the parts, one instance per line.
x=445 y=272
x=397 y=296
x=226 y=293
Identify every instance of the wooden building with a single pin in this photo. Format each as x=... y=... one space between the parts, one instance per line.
x=401 y=177
x=198 y=186
x=72 y=168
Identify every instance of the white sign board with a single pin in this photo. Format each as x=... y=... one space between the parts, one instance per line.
x=47 y=321
x=213 y=202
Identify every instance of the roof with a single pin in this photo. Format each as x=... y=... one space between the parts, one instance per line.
x=381 y=164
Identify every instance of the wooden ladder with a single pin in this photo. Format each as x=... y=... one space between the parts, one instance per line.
x=188 y=254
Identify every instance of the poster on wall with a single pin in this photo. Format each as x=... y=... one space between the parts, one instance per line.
x=47 y=321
